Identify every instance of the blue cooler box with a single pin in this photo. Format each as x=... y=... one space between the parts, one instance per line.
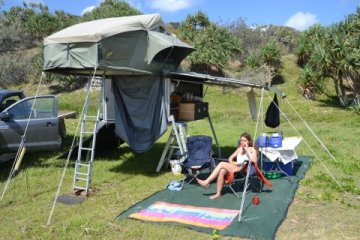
x=262 y=141
x=275 y=140
x=285 y=169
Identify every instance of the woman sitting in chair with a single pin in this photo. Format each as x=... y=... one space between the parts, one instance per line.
x=235 y=162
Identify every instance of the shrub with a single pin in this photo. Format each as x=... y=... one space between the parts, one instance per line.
x=15 y=68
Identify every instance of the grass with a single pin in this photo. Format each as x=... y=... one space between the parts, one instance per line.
x=321 y=209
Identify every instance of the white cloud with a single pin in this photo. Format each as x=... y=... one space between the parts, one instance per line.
x=171 y=5
x=301 y=21
x=88 y=9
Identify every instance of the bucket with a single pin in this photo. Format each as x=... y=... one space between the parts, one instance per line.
x=263 y=141
x=275 y=140
x=175 y=166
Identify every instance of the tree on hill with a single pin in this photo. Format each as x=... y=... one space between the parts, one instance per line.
x=271 y=58
x=253 y=38
x=264 y=64
x=332 y=53
x=192 y=24
x=22 y=30
x=110 y=8
x=215 y=45
x=36 y=19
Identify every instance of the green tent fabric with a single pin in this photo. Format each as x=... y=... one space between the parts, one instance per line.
x=258 y=221
x=134 y=52
x=140 y=114
x=133 y=45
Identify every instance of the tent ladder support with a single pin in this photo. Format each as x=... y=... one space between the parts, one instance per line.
x=89 y=129
x=179 y=133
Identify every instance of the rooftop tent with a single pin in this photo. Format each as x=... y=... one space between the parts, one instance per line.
x=133 y=52
x=131 y=45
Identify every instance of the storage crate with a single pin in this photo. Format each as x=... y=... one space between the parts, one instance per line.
x=285 y=169
x=193 y=111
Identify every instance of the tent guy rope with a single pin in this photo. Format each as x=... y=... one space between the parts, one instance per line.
x=312 y=132
x=21 y=150
x=306 y=143
x=259 y=115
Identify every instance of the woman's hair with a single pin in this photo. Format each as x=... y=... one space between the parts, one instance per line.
x=248 y=137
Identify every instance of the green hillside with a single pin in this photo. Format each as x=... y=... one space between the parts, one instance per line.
x=122 y=178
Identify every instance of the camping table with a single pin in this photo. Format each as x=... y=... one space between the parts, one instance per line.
x=284 y=154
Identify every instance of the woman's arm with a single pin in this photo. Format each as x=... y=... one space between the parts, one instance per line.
x=234 y=155
x=252 y=154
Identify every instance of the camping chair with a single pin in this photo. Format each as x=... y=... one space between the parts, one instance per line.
x=199 y=156
x=251 y=175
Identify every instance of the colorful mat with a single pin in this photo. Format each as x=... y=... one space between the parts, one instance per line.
x=214 y=218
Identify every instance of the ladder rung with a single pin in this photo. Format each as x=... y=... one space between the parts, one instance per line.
x=83 y=179
x=90 y=117
x=87 y=149
x=81 y=173
x=88 y=132
x=89 y=126
x=83 y=164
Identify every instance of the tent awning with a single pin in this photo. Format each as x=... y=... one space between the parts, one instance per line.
x=159 y=42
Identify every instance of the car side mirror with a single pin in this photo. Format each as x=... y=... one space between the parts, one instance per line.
x=6 y=116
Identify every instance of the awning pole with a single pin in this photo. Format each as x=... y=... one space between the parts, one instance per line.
x=214 y=134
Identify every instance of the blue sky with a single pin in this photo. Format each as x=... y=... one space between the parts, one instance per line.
x=299 y=14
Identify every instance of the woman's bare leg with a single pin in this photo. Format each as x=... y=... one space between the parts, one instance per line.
x=219 y=184
x=205 y=183
x=229 y=167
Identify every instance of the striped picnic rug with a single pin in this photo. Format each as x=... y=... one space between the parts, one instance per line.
x=215 y=218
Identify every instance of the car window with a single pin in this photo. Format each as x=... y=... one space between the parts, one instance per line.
x=43 y=108
x=6 y=102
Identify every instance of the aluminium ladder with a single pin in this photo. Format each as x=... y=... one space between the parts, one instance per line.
x=176 y=140
x=89 y=130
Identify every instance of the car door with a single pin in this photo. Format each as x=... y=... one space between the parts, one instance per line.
x=42 y=126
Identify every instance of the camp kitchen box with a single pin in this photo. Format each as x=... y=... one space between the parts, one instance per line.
x=277 y=166
x=193 y=111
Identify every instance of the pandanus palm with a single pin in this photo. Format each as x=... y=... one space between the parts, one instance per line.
x=334 y=52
